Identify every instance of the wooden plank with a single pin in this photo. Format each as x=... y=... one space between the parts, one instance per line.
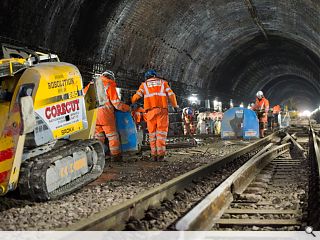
x=181 y=153
x=260 y=211
x=287 y=162
x=259 y=222
x=288 y=159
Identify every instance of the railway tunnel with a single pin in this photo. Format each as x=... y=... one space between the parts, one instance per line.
x=226 y=49
x=222 y=50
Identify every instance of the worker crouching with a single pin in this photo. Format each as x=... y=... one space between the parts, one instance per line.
x=156 y=92
x=106 y=122
x=261 y=107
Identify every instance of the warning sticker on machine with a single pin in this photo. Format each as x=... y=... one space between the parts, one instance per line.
x=65 y=117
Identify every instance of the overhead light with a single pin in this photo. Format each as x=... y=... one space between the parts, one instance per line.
x=193 y=99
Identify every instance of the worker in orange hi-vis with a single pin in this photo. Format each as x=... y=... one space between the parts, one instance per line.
x=138 y=114
x=106 y=122
x=156 y=92
x=275 y=111
x=140 y=119
x=187 y=115
x=261 y=107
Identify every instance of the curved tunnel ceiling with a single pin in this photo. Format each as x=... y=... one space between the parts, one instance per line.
x=298 y=93
x=228 y=48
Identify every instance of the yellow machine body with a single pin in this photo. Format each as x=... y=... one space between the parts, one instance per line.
x=60 y=110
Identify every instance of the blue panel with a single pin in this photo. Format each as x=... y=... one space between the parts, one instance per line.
x=232 y=123
x=239 y=122
x=127 y=131
x=250 y=125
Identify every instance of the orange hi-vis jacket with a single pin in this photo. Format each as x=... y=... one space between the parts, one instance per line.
x=113 y=102
x=276 y=109
x=262 y=105
x=156 y=92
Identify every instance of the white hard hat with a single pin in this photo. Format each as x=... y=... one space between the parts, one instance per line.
x=109 y=73
x=259 y=94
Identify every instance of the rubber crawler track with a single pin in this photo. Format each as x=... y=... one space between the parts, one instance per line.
x=32 y=182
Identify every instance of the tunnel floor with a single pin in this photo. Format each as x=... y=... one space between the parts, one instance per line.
x=119 y=182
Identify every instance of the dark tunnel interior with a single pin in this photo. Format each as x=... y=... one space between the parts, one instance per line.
x=224 y=48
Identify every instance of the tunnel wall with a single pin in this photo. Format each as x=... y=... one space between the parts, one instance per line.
x=218 y=47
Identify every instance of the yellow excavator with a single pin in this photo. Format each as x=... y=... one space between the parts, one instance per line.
x=47 y=125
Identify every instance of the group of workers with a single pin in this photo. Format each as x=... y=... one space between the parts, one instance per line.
x=155 y=92
x=202 y=123
x=261 y=107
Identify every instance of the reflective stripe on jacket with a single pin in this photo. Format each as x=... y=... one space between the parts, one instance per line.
x=113 y=102
x=156 y=92
x=262 y=105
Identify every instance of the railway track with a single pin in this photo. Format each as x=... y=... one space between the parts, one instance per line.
x=268 y=189
x=119 y=182
x=136 y=213
x=276 y=190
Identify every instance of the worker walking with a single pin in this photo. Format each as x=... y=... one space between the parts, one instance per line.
x=261 y=107
x=156 y=92
x=106 y=122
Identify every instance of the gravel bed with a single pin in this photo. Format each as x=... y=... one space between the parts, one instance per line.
x=133 y=177
x=164 y=217
x=284 y=189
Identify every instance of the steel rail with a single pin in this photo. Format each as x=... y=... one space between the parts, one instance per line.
x=314 y=189
x=115 y=217
x=316 y=147
x=211 y=208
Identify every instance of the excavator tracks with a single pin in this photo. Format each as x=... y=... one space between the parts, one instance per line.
x=39 y=174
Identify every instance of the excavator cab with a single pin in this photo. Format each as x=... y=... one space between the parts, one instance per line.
x=46 y=127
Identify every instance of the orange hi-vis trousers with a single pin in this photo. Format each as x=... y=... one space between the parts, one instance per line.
x=158 y=124
x=109 y=131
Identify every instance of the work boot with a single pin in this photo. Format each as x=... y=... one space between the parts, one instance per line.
x=116 y=158
x=154 y=158
x=161 y=159
x=261 y=133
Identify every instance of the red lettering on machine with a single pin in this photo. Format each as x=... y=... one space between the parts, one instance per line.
x=62 y=109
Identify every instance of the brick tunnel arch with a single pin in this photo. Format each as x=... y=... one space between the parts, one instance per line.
x=299 y=91
x=259 y=65
x=222 y=48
